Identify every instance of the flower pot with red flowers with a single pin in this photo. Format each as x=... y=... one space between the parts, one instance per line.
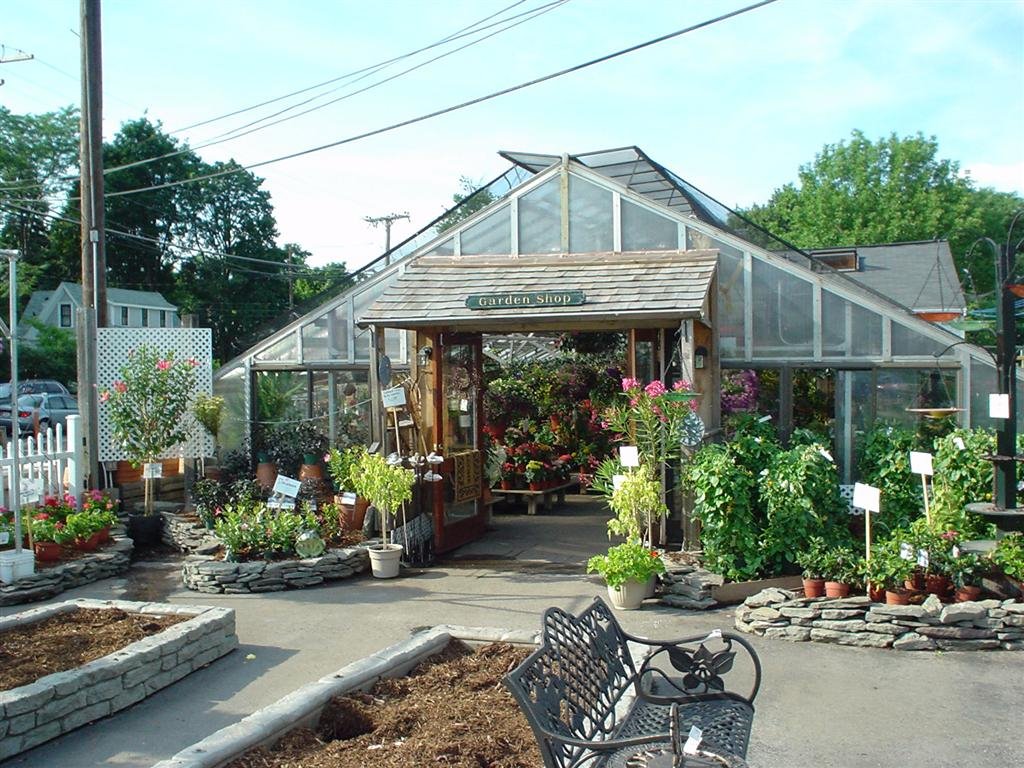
x=48 y=534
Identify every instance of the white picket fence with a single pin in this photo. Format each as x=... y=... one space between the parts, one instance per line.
x=56 y=457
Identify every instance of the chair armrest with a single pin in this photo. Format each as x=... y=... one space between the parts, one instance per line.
x=702 y=669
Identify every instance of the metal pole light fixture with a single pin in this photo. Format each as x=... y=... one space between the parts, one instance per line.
x=12 y=260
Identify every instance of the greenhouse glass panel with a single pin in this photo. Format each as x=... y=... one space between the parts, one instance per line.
x=731 y=317
x=540 y=219
x=867 y=333
x=231 y=386
x=326 y=338
x=491 y=235
x=984 y=382
x=644 y=230
x=698 y=241
x=900 y=388
x=341 y=406
x=360 y=304
x=783 y=318
x=281 y=397
x=444 y=248
x=590 y=217
x=284 y=350
x=907 y=342
x=835 y=340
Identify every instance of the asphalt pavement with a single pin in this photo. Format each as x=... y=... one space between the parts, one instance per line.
x=819 y=706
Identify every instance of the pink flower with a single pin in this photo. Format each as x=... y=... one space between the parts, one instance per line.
x=683 y=385
x=163 y=365
x=193 y=363
x=628 y=384
x=327 y=457
x=105 y=396
x=120 y=387
x=655 y=388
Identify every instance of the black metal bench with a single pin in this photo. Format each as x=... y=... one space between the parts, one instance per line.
x=590 y=706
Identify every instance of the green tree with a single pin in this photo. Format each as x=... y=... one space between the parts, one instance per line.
x=891 y=190
x=52 y=355
x=37 y=155
x=475 y=198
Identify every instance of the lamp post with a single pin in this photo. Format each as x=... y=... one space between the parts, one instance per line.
x=12 y=258
x=1006 y=354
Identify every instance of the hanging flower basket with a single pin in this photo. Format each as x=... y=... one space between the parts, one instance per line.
x=1017 y=289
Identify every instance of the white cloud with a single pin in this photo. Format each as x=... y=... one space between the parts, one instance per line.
x=1005 y=177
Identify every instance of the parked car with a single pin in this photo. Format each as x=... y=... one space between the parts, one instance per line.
x=44 y=410
x=36 y=386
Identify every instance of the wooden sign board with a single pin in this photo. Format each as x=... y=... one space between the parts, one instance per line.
x=526 y=299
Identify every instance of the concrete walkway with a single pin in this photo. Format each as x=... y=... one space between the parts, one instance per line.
x=820 y=705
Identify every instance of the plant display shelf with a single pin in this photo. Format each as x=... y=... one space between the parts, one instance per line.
x=545 y=495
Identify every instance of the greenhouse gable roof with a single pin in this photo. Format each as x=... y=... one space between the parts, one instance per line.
x=618 y=290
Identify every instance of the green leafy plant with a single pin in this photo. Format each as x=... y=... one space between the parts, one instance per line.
x=812 y=558
x=886 y=568
x=637 y=502
x=962 y=475
x=966 y=569
x=45 y=527
x=630 y=561
x=387 y=487
x=1009 y=555
x=341 y=466
x=722 y=491
x=885 y=464
x=208 y=499
x=840 y=564
x=209 y=412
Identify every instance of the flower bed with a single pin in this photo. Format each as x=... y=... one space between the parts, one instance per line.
x=204 y=574
x=304 y=706
x=61 y=702
x=971 y=626
x=112 y=560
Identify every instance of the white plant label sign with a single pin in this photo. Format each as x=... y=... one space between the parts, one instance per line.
x=617 y=481
x=921 y=463
x=906 y=551
x=959 y=443
x=277 y=501
x=287 y=486
x=999 y=406
x=866 y=497
x=922 y=558
x=31 y=490
x=152 y=470
x=348 y=498
x=394 y=397
x=629 y=456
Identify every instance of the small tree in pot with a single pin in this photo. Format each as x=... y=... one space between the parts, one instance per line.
x=387 y=487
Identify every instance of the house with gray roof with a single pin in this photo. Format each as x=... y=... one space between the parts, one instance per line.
x=125 y=309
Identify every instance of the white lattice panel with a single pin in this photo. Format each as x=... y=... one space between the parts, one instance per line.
x=114 y=345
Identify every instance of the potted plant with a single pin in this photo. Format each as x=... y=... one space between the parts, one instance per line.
x=208 y=499
x=1009 y=557
x=147 y=408
x=964 y=571
x=209 y=412
x=839 y=567
x=888 y=569
x=627 y=569
x=49 y=533
x=342 y=466
x=534 y=474
x=387 y=487
x=810 y=559
x=637 y=502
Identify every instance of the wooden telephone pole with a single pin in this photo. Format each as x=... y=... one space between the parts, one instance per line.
x=376 y=221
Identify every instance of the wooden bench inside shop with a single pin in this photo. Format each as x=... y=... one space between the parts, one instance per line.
x=599 y=697
x=547 y=496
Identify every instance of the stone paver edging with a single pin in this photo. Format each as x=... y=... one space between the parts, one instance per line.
x=63 y=701
x=111 y=560
x=302 y=707
x=985 y=625
x=204 y=574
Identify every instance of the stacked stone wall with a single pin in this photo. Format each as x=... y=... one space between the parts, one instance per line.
x=984 y=625
x=204 y=574
x=58 y=703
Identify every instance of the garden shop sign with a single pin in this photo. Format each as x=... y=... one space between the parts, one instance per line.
x=525 y=299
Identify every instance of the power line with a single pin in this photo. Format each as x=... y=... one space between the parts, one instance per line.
x=455 y=107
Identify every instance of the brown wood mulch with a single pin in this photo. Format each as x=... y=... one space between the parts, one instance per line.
x=71 y=639
x=451 y=711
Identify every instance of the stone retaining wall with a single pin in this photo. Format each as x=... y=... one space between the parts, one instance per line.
x=688 y=586
x=204 y=574
x=111 y=560
x=61 y=702
x=302 y=707
x=985 y=625
x=186 y=534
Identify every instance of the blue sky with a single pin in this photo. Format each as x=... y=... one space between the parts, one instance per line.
x=735 y=108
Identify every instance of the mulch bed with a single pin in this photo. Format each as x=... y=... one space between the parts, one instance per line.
x=69 y=640
x=452 y=711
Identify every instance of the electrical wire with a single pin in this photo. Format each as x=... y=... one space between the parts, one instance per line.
x=454 y=107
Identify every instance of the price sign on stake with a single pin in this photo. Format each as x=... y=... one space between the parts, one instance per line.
x=693 y=741
x=31 y=490
x=153 y=470
x=629 y=456
x=922 y=558
x=906 y=551
x=287 y=486
x=999 y=406
x=868 y=498
x=921 y=464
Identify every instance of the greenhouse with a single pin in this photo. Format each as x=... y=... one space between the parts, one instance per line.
x=613 y=242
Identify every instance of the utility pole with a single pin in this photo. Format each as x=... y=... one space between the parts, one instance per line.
x=19 y=56
x=94 y=262
x=376 y=221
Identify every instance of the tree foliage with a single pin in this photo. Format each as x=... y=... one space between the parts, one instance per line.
x=860 y=192
x=474 y=196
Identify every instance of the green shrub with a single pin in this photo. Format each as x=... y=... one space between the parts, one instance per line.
x=962 y=476
x=885 y=464
x=626 y=562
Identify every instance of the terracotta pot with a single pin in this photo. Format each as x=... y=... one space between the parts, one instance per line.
x=47 y=551
x=104 y=534
x=311 y=471
x=897 y=597
x=915 y=582
x=937 y=584
x=353 y=516
x=814 y=587
x=506 y=485
x=89 y=544
x=967 y=594
x=534 y=486
x=876 y=594
x=266 y=474
x=836 y=589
